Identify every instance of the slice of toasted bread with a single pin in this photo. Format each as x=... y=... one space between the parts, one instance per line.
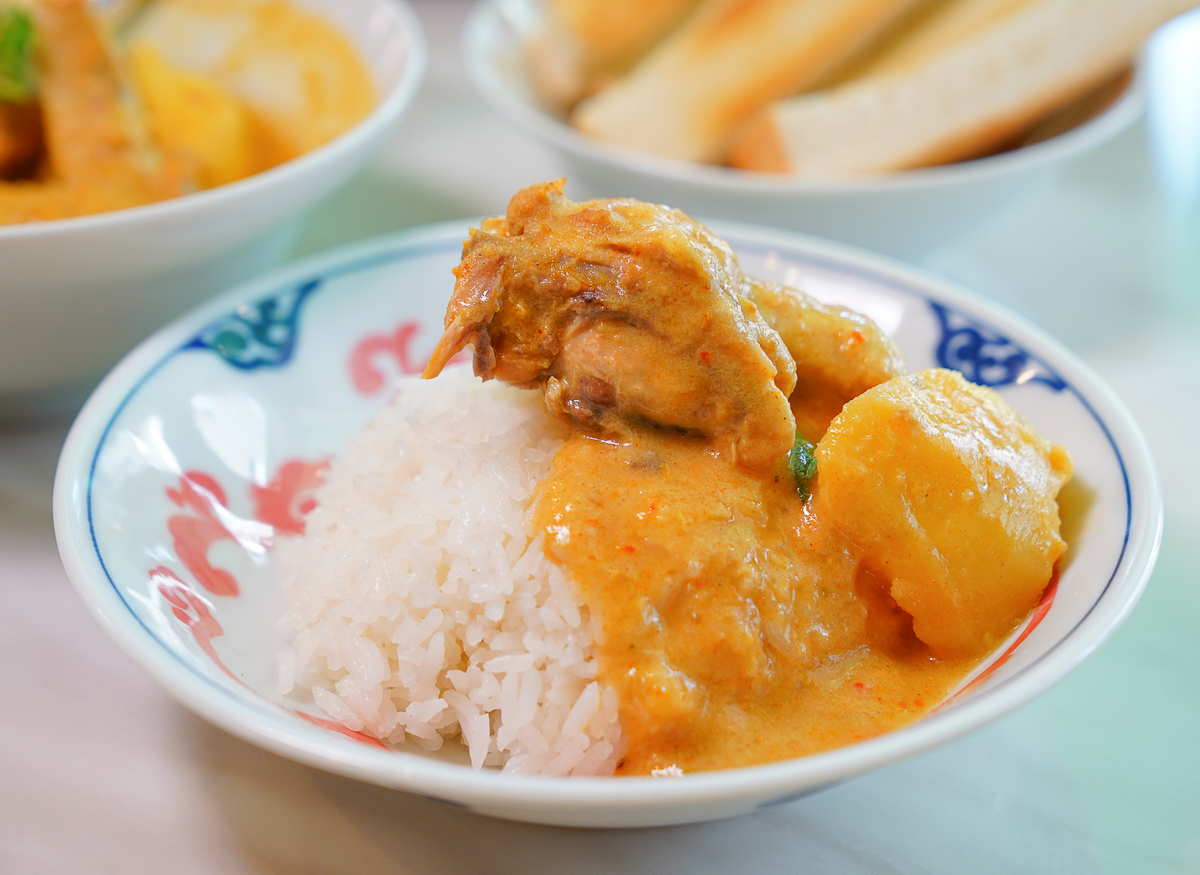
x=971 y=77
x=730 y=58
x=583 y=43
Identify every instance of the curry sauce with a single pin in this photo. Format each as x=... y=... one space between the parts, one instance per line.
x=736 y=626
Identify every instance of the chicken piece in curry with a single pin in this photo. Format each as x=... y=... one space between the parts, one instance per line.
x=743 y=615
x=628 y=316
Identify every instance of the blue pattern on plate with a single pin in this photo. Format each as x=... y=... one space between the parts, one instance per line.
x=261 y=334
x=985 y=356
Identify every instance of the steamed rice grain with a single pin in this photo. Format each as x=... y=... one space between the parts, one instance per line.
x=422 y=604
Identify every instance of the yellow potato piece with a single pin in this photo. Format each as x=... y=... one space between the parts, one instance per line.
x=951 y=496
x=198 y=118
x=295 y=71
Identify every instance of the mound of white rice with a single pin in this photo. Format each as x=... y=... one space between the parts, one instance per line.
x=423 y=608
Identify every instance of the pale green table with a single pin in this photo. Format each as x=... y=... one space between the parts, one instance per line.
x=100 y=772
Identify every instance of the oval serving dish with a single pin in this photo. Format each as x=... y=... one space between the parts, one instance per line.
x=201 y=445
x=905 y=213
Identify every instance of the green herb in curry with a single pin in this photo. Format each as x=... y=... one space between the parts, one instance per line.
x=17 y=84
x=802 y=463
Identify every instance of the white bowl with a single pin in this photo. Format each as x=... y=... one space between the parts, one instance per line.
x=76 y=294
x=902 y=214
x=287 y=367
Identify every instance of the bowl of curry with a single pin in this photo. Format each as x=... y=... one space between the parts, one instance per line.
x=204 y=450
x=149 y=159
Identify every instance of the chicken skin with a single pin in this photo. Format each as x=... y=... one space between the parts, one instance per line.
x=623 y=313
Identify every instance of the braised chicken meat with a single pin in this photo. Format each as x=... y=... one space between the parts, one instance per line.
x=622 y=312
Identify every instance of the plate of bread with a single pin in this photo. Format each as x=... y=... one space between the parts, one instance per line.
x=888 y=123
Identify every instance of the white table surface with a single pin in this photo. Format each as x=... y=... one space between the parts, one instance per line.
x=101 y=772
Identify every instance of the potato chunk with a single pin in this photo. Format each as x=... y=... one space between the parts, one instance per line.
x=197 y=117
x=951 y=497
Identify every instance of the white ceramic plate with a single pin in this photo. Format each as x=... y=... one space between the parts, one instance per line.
x=194 y=450
x=904 y=213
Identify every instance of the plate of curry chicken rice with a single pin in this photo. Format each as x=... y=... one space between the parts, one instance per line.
x=604 y=517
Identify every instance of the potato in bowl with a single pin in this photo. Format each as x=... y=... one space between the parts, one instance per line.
x=79 y=291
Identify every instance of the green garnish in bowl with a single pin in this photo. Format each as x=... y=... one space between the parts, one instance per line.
x=17 y=84
x=802 y=463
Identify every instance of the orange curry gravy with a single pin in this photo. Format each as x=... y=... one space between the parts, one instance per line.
x=736 y=626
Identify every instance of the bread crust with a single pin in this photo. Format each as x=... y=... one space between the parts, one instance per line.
x=582 y=44
x=966 y=98
x=685 y=99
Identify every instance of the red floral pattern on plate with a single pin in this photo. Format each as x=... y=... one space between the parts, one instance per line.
x=283 y=502
x=194 y=533
x=192 y=611
x=367 y=378
x=365 y=373
x=280 y=504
